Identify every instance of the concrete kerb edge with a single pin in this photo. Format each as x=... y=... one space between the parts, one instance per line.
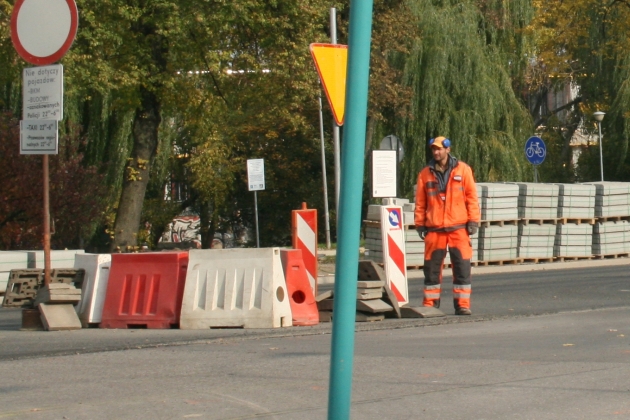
x=515 y=268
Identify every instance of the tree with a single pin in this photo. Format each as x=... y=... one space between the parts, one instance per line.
x=586 y=44
x=142 y=63
x=461 y=71
x=75 y=193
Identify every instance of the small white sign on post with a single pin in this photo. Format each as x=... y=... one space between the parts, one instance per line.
x=256 y=174
x=42 y=93
x=384 y=173
x=39 y=137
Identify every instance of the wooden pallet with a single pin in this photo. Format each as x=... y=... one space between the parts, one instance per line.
x=488 y=223
x=581 y=258
x=497 y=262
x=526 y=222
x=611 y=218
x=577 y=221
x=536 y=260
x=611 y=256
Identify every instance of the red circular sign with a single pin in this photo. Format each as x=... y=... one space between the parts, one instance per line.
x=43 y=31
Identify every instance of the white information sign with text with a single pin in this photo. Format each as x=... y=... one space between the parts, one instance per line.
x=256 y=174
x=39 y=137
x=384 y=165
x=42 y=90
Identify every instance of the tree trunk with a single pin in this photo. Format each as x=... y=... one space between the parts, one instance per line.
x=204 y=225
x=145 y=139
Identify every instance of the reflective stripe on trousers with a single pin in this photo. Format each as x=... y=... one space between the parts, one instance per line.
x=460 y=250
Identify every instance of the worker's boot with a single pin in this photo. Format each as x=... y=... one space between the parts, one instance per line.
x=462 y=311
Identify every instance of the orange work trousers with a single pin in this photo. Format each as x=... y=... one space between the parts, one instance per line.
x=460 y=248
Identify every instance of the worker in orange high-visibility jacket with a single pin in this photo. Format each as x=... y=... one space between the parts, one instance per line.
x=446 y=215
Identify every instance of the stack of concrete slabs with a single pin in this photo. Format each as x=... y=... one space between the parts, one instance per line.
x=612 y=199
x=538 y=201
x=414 y=246
x=498 y=202
x=374 y=213
x=408 y=214
x=576 y=201
x=536 y=241
x=497 y=243
x=374 y=243
x=612 y=237
x=573 y=240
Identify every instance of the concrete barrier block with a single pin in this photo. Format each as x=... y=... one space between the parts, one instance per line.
x=235 y=288
x=97 y=268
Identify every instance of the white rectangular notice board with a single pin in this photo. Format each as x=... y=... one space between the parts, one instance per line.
x=256 y=174
x=39 y=137
x=384 y=165
x=42 y=93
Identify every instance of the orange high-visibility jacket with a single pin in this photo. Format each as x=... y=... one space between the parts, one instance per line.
x=450 y=209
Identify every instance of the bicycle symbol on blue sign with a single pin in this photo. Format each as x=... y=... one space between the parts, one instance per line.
x=535 y=150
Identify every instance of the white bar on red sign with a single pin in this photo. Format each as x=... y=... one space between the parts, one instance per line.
x=305 y=238
x=395 y=261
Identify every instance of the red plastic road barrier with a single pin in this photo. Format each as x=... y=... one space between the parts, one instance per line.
x=303 y=306
x=145 y=290
x=305 y=238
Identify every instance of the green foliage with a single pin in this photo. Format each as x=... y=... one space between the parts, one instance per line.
x=462 y=86
x=234 y=80
x=76 y=193
x=586 y=43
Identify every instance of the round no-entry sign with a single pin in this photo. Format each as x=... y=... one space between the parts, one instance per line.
x=42 y=31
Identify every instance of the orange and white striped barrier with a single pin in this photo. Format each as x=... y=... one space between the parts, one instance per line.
x=394 y=258
x=305 y=238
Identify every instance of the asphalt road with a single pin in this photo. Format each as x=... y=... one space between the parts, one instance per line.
x=540 y=345
x=497 y=293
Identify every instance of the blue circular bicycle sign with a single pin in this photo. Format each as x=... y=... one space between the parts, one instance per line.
x=535 y=150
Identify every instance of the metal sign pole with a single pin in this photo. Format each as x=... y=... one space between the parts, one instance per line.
x=256 y=212
x=601 y=159
x=46 y=222
x=349 y=226
x=336 y=147
x=324 y=178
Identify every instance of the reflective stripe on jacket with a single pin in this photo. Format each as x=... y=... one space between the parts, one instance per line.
x=449 y=209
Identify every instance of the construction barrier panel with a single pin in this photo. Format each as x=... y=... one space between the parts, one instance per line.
x=97 y=267
x=24 y=284
x=303 y=305
x=145 y=290
x=235 y=288
x=22 y=287
x=393 y=236
x=305 y=238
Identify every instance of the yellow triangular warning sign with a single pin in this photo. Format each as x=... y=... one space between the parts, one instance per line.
x=331 y=61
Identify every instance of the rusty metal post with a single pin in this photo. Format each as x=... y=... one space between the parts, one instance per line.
x=46 y=222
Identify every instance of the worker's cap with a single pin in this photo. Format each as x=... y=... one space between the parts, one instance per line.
x=441 y=142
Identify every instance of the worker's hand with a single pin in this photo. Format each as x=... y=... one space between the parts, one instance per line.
x=472 y=228
x=422 y=231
